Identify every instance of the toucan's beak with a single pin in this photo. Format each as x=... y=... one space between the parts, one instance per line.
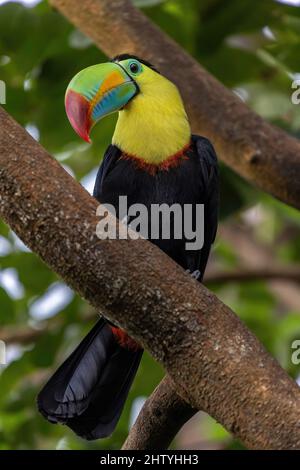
x=96 y=92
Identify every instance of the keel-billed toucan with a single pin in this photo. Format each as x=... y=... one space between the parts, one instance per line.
x=153 y=159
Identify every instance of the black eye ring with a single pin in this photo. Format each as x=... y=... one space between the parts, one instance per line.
x=134 y=67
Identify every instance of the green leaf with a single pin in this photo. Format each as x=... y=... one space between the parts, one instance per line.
x=7 y=308
x=147 y=3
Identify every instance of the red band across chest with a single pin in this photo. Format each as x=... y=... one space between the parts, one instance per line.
x=152 y=168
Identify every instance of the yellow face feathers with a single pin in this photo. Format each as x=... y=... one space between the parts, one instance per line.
x=153 y=125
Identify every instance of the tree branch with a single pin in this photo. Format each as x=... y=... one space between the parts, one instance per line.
x=256 y=255
x=13 y=335
x=263 y=154
x=213 y=276
x=161 y=417
x=276 y=271
x=212 y=358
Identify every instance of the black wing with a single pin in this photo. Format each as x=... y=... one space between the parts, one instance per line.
x=110 y=157
x=209 y=185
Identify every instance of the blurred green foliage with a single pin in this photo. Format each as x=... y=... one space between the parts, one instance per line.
x=252 y=46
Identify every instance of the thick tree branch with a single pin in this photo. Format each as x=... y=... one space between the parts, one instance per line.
x=230 y=140
x=27 y=335
x=212 y=358
x=161 y=417
x=263 y=154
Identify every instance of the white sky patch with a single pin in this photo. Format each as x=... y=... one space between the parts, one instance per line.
x=268 y=33
x=33 y=131
x=18 y=244
x=295 y=3
x=29 y=3
x=64 y=155
x=69 y=170
x=5 y=246
x=4 y=60
x=254 y=215
x=10 y=282
x=294 y=76
x=137 y=405
x=56 y=298
x=13 y=353
x=27 y=85
x=63 y=444
x=241 y=42
x=241 y=93
x=88 y=181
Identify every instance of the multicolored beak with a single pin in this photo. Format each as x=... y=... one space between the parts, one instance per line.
x=95 y=92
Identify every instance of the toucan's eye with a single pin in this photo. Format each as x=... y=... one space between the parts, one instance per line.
x=135 y=67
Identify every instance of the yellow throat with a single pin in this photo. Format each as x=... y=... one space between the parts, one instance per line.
x=154 y=125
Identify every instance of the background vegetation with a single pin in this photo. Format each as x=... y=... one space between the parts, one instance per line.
x=252 y=46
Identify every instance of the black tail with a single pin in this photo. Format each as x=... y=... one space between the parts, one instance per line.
x=89 y=390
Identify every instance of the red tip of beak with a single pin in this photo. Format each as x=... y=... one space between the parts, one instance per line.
x=77 y=108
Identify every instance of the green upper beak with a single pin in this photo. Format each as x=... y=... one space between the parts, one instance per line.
x=95 y=92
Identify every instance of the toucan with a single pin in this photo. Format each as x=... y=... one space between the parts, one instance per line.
x=153 y=159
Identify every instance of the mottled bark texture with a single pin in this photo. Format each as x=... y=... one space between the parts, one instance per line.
x=263 y=154
x=213 y=359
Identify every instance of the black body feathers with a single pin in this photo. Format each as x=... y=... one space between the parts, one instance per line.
x=193 y=181
x=89 y=390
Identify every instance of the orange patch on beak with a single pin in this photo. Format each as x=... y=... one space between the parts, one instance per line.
x=112 y=81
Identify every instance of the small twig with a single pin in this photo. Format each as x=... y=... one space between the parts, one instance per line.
x=258 y=256
x=13 y=335
x=286 y=273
